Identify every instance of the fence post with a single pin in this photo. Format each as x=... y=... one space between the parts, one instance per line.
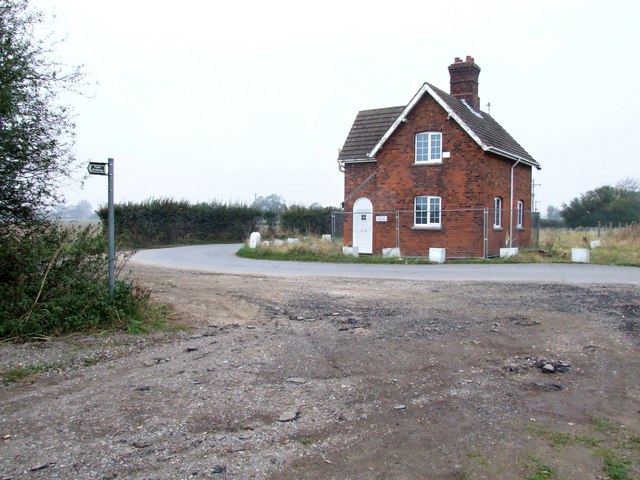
x=398 y=230
x=333 y=225
x=485 y=233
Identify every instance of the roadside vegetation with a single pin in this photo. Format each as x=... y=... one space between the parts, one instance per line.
x=618 y=246
x=313 y=249
x=165 y=221
x=53 y=282
x=53 y=278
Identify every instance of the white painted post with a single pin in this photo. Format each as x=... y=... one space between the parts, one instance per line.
x=254 y=240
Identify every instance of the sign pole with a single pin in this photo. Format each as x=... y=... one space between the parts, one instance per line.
x=99 y=168
x=111 y=233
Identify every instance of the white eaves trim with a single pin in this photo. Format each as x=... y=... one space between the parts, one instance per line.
x=358 y=160
x=416 y=98
x=504 y=153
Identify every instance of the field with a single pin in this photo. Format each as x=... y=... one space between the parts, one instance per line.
x=275 y=378
x=619 y=246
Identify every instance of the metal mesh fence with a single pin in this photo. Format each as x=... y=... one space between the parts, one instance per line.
x=464 y=233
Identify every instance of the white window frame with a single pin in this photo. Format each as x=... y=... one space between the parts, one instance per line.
x=520 y=214
x=497 y=212
x=432 y=215
x=428 y=147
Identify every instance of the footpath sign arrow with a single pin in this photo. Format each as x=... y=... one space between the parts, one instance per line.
x=97 y=168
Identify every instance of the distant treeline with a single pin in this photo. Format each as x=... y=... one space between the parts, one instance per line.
x=157 y=222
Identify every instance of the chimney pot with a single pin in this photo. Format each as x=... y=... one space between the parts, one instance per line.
x=457 y=60
x=469 y=59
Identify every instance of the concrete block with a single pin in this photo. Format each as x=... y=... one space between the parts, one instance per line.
x=292 y=241
x=278 y=243
x=350 y=251
x=326 y=237
x=594 y=243
x=580 y=255
x=390 y=252
x=437 y=255
x=265 y=243
x=254 y=240
x=508 y=252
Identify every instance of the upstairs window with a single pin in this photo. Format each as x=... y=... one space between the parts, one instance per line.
x=520 y=214
x=428 y=147
x=497 y=212
x=427 y=212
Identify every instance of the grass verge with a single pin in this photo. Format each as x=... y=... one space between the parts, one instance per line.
x=617 y=247
x=310 y=253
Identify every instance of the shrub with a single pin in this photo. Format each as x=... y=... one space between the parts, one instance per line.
x=307 y=220
x=53 y=282
x=168 y=222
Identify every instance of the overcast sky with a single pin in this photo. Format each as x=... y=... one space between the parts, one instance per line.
x=205 y=100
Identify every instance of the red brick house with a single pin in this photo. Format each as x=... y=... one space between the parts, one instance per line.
x=436 y=173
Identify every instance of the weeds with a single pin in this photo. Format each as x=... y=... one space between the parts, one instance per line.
x=479 y=458
x=541 y=471
x=614 y=446
x=555 y=439
x=614 y=467
x=20 y=372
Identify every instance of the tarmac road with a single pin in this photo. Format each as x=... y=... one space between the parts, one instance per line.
x=222 y=259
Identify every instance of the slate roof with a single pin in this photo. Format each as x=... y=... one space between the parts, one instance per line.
x=367 y=130
x=372 y=128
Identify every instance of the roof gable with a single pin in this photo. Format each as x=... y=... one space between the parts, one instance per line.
x=368 y=133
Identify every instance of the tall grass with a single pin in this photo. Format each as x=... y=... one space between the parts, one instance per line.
x=618 y=246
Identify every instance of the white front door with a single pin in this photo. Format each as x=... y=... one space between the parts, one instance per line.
x=363 y=225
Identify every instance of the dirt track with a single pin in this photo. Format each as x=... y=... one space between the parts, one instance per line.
x=373 y=379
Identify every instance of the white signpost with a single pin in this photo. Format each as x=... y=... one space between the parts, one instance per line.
x=98 y=168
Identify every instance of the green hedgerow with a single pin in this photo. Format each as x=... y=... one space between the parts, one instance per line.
x=53 y=282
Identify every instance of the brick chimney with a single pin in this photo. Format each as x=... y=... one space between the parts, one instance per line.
x=464 y=81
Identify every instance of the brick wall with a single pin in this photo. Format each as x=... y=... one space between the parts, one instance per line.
x=469 y=179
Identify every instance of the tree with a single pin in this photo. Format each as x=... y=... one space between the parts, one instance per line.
x=604 y=205
x=272 y=203
x=629 y=184
x=553 y=213
x=36 y=132
x=82 y=210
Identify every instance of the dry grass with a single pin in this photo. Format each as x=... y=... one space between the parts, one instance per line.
x=619 y=246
